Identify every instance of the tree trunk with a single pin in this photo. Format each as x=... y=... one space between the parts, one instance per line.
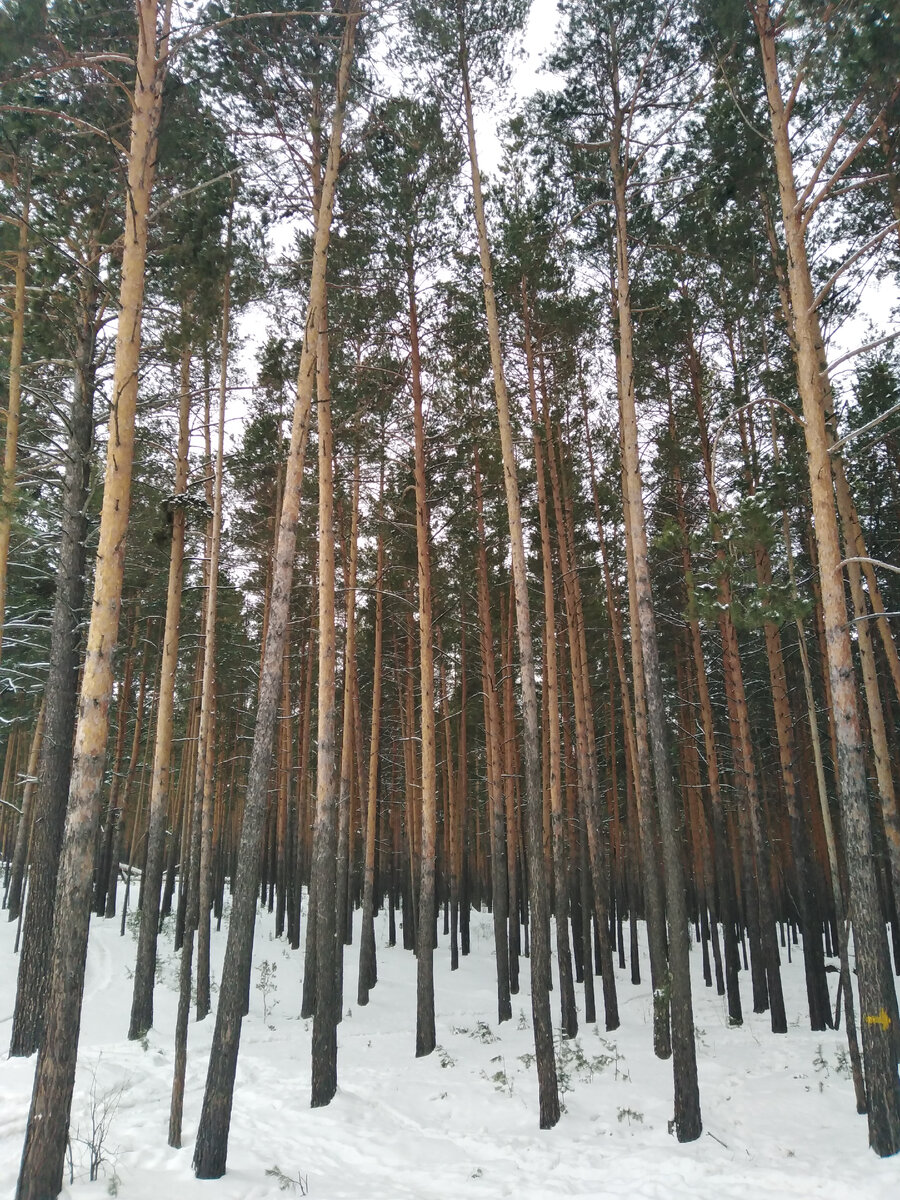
x=212 y=1136
x=568 y=1014
x=687 y=1096
x=25 y=828
x=145 y=964
x=837 y=889
x=586 y=737
x=496 y=807
x=115 y=849
x=194 y=857
x=727 y=902
x=759 y=901
x=11 y=445
x=425 y=1032
x=101 y=870
x=368 y=972
x=45 y=1139
x=323 y=881
x=348 y=750
x=879 y=1045
x=208 y=705
x=540 y=915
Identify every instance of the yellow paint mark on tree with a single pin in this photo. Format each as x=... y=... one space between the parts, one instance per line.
x=882 y=1020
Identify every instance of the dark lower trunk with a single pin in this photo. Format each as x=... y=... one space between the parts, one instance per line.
x=59 y=721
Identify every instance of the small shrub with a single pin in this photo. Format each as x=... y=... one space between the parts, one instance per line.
x=103 y=1107
x=267 y=986
x=484 y=1033
x=287 y=1183
x=445 y=1058
x=502 y=1081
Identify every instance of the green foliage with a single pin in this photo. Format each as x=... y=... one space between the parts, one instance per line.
x=478 y=30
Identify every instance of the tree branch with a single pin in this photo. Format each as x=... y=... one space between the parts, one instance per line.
x=845 y=266
x=77 y=121
x=875 y=562
x=864 y=428
x=888 y=337
x=829 y=183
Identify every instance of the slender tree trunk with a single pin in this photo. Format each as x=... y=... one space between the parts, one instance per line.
x=508 y=776
x=727 y=901
x=845 y=986
x=540 y=915
x=323 y=882
x=118 y=832
x=145 y=965
x=207 y=733
x=101 y=870
x=368 y=972
x=425 y=1031
x=461 y=824
x=45 y=1139
x=139 y=812
x=760 y=908
x=11 y=445
x=879 y=1044
x=496 y=807
x=212 y=1136
x=586 y=738
x=348 y=749
x=25 y=828
x=568 y=1015
x=195 y=858
x=687 y=1096
x=813 y=959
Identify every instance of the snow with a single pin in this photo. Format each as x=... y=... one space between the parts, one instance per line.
x=779 y=1115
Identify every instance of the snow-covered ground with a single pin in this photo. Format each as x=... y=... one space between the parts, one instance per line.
x=778 y=1112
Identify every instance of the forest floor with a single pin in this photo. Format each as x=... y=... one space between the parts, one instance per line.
x=778 y=1112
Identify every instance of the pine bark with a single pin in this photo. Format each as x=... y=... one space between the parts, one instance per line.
x=368 y=968
x=25 y=828
x=726 y=911
x=425 y=1031
x=349 y=750
x=688 y=1124
x=325 y=843
x=14 y=405
x=45 y=1140
x=568 y=1014
x=540 y=915
x=208 y=707
x=212 y=1136
x=879 y=1044
x=145 y=965
x=495 y=804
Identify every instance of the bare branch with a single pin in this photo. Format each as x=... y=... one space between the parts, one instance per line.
x=845 y=266
x=864 y=428
x=833 y=179
x=795 y=88
x=190 y=191
x=827 y=153
x=875 y=562
x=49 y=112
x=888 y=337
x=736 y=413
x=240 y=17
x=648 y=58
